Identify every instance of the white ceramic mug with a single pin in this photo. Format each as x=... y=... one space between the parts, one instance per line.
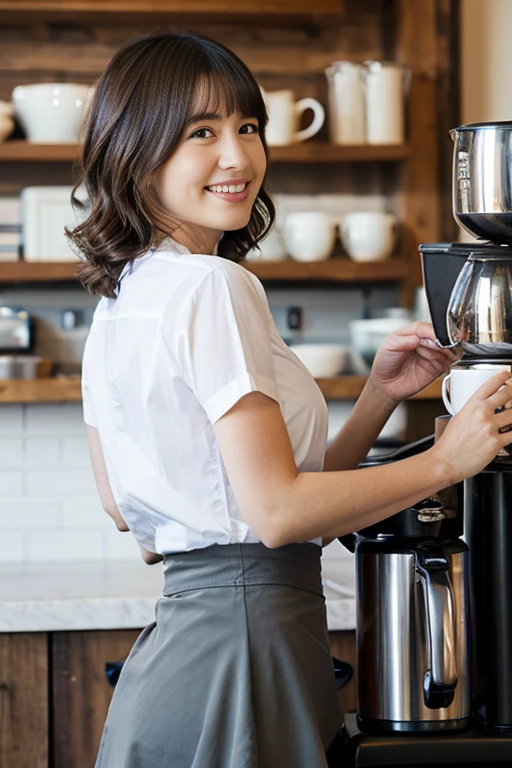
x=284 y=118
x=461 y=383
x=51 y=113
x=309 y=236
x=368 y=235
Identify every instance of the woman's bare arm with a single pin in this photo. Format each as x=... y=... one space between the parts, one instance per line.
x=356 y=437
x=105 y=492
x=282 y=505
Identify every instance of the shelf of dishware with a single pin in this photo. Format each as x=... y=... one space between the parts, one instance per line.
x=19 y=150
x=337 y=269
x=68 y=389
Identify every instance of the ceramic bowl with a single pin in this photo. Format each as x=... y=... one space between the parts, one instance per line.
x=366 y=336
x=51 y=113
x=321 y=360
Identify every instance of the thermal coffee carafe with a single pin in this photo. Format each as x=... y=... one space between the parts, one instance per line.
x=412 y=631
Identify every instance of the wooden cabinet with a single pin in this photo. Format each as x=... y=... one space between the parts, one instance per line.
x=81 y=691
x=24 y=695
x=54 y=693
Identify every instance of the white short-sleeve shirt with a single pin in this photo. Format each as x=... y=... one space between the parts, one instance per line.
x=186 y=338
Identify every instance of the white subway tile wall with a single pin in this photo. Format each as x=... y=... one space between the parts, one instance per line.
x=49 y=507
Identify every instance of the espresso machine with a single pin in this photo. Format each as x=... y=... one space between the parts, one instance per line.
x=434 y=652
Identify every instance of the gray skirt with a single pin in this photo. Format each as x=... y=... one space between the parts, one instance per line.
x=236 y=671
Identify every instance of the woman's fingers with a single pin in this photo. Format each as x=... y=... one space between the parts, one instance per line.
x=494 y=389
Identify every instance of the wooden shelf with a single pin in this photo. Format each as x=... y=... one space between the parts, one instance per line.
x=65 y=389
x=18 y=150
x=172 y=6
x=37 y=272
x=340 y=270
x=68 y=389
x=321 y=152
x=350 y=387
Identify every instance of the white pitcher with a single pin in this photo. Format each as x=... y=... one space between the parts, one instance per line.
x=386 y=84
x=284 y=118
x=346 y=103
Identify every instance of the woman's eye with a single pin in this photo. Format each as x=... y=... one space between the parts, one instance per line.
x=249 y=128
x=202 y=133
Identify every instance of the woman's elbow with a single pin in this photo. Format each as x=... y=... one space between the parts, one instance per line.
x=116 y=517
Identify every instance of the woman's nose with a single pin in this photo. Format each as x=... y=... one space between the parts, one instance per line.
x=233 y=153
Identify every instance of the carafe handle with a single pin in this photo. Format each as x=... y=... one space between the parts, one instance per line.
x=440 y=678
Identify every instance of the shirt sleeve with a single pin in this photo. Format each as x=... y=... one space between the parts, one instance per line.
x=221 y=341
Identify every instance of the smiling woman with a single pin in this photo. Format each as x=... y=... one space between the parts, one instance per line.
x=152 y=137
x=209 y=436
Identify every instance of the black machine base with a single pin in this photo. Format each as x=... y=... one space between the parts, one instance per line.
x=379 y=727
x=471 y=747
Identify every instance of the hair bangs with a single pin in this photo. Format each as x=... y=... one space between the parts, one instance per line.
x=227 y=89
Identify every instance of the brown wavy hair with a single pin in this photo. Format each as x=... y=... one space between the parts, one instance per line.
x=137 y=116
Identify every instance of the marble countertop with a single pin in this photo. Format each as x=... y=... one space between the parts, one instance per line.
x=46 y=597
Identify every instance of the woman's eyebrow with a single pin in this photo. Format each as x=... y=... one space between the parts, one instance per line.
x=200 y=116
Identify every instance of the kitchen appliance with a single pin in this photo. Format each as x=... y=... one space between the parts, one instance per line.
x=469 y=292
x=468 y=288
x=412 y=631
x=16 y=330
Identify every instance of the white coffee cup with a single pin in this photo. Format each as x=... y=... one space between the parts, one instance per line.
x=309 y=236
x=284 y=118
x=460 y=384
x=368 y=235
x=271 y=248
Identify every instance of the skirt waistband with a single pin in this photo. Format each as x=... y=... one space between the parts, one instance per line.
x=235 y=565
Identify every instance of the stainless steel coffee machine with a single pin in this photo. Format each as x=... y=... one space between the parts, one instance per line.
x=469 y=292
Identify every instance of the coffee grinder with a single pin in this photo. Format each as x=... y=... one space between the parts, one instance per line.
x=469 y=293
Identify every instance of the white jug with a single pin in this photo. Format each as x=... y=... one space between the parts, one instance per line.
x=346 y=103
x=386 y=83
x=284 y=117
x=51 y=113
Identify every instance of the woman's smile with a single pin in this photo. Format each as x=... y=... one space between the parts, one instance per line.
x=232 y=191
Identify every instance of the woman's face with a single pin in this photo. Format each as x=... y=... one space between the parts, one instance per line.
x=211 y=181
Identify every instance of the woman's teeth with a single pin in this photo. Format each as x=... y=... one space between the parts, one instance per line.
x=227 y=188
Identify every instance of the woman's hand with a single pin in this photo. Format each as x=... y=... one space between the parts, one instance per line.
x=480 y=429
x=409 y=360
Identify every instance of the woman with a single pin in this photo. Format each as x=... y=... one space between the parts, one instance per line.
x=207 y=434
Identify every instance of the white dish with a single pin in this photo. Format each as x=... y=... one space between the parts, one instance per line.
x=45 y=213
x=367 y=335
x=321 y=360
